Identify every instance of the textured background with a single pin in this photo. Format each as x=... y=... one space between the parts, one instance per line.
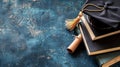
x=33 y=34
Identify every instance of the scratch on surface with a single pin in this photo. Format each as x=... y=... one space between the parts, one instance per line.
x=23 y=47
x=35 y=33
x=0 y=30
x=53 y=28
x=34 y=0
x=48 y=57
x=11 y=16
x=5 y=0
x=41 y=56
x=26 y=5
x=51 y=50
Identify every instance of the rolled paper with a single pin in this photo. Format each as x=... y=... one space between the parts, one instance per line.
x=72 y=47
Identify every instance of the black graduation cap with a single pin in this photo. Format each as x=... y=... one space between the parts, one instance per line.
x=105 y=13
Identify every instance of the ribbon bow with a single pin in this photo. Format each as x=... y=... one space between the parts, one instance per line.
x=107 y=7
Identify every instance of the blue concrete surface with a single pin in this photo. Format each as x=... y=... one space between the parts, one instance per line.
x=33 y=34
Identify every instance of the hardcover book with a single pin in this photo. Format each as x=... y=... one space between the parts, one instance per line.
x=104 y=45
x=111 y=59
x=93 y=32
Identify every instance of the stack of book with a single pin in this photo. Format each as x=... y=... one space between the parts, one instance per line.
x=105 y=45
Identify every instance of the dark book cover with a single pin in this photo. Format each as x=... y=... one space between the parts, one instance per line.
x=103 y=59
x=94 y=33
x=104 y=45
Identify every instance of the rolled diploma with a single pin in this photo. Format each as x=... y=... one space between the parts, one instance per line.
x=72 y=47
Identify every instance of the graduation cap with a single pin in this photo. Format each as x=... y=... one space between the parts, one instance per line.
x=103 y=13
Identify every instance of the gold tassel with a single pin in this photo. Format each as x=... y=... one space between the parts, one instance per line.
x=71 y=24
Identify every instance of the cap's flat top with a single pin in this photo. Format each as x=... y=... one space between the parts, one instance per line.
x=110 y=15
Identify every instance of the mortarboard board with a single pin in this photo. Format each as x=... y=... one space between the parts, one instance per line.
x=105 y=13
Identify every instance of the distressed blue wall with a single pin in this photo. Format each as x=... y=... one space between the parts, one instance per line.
x=32 y=34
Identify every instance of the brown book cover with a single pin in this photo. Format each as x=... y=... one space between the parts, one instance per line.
x=94 y=33
x=104 y=45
